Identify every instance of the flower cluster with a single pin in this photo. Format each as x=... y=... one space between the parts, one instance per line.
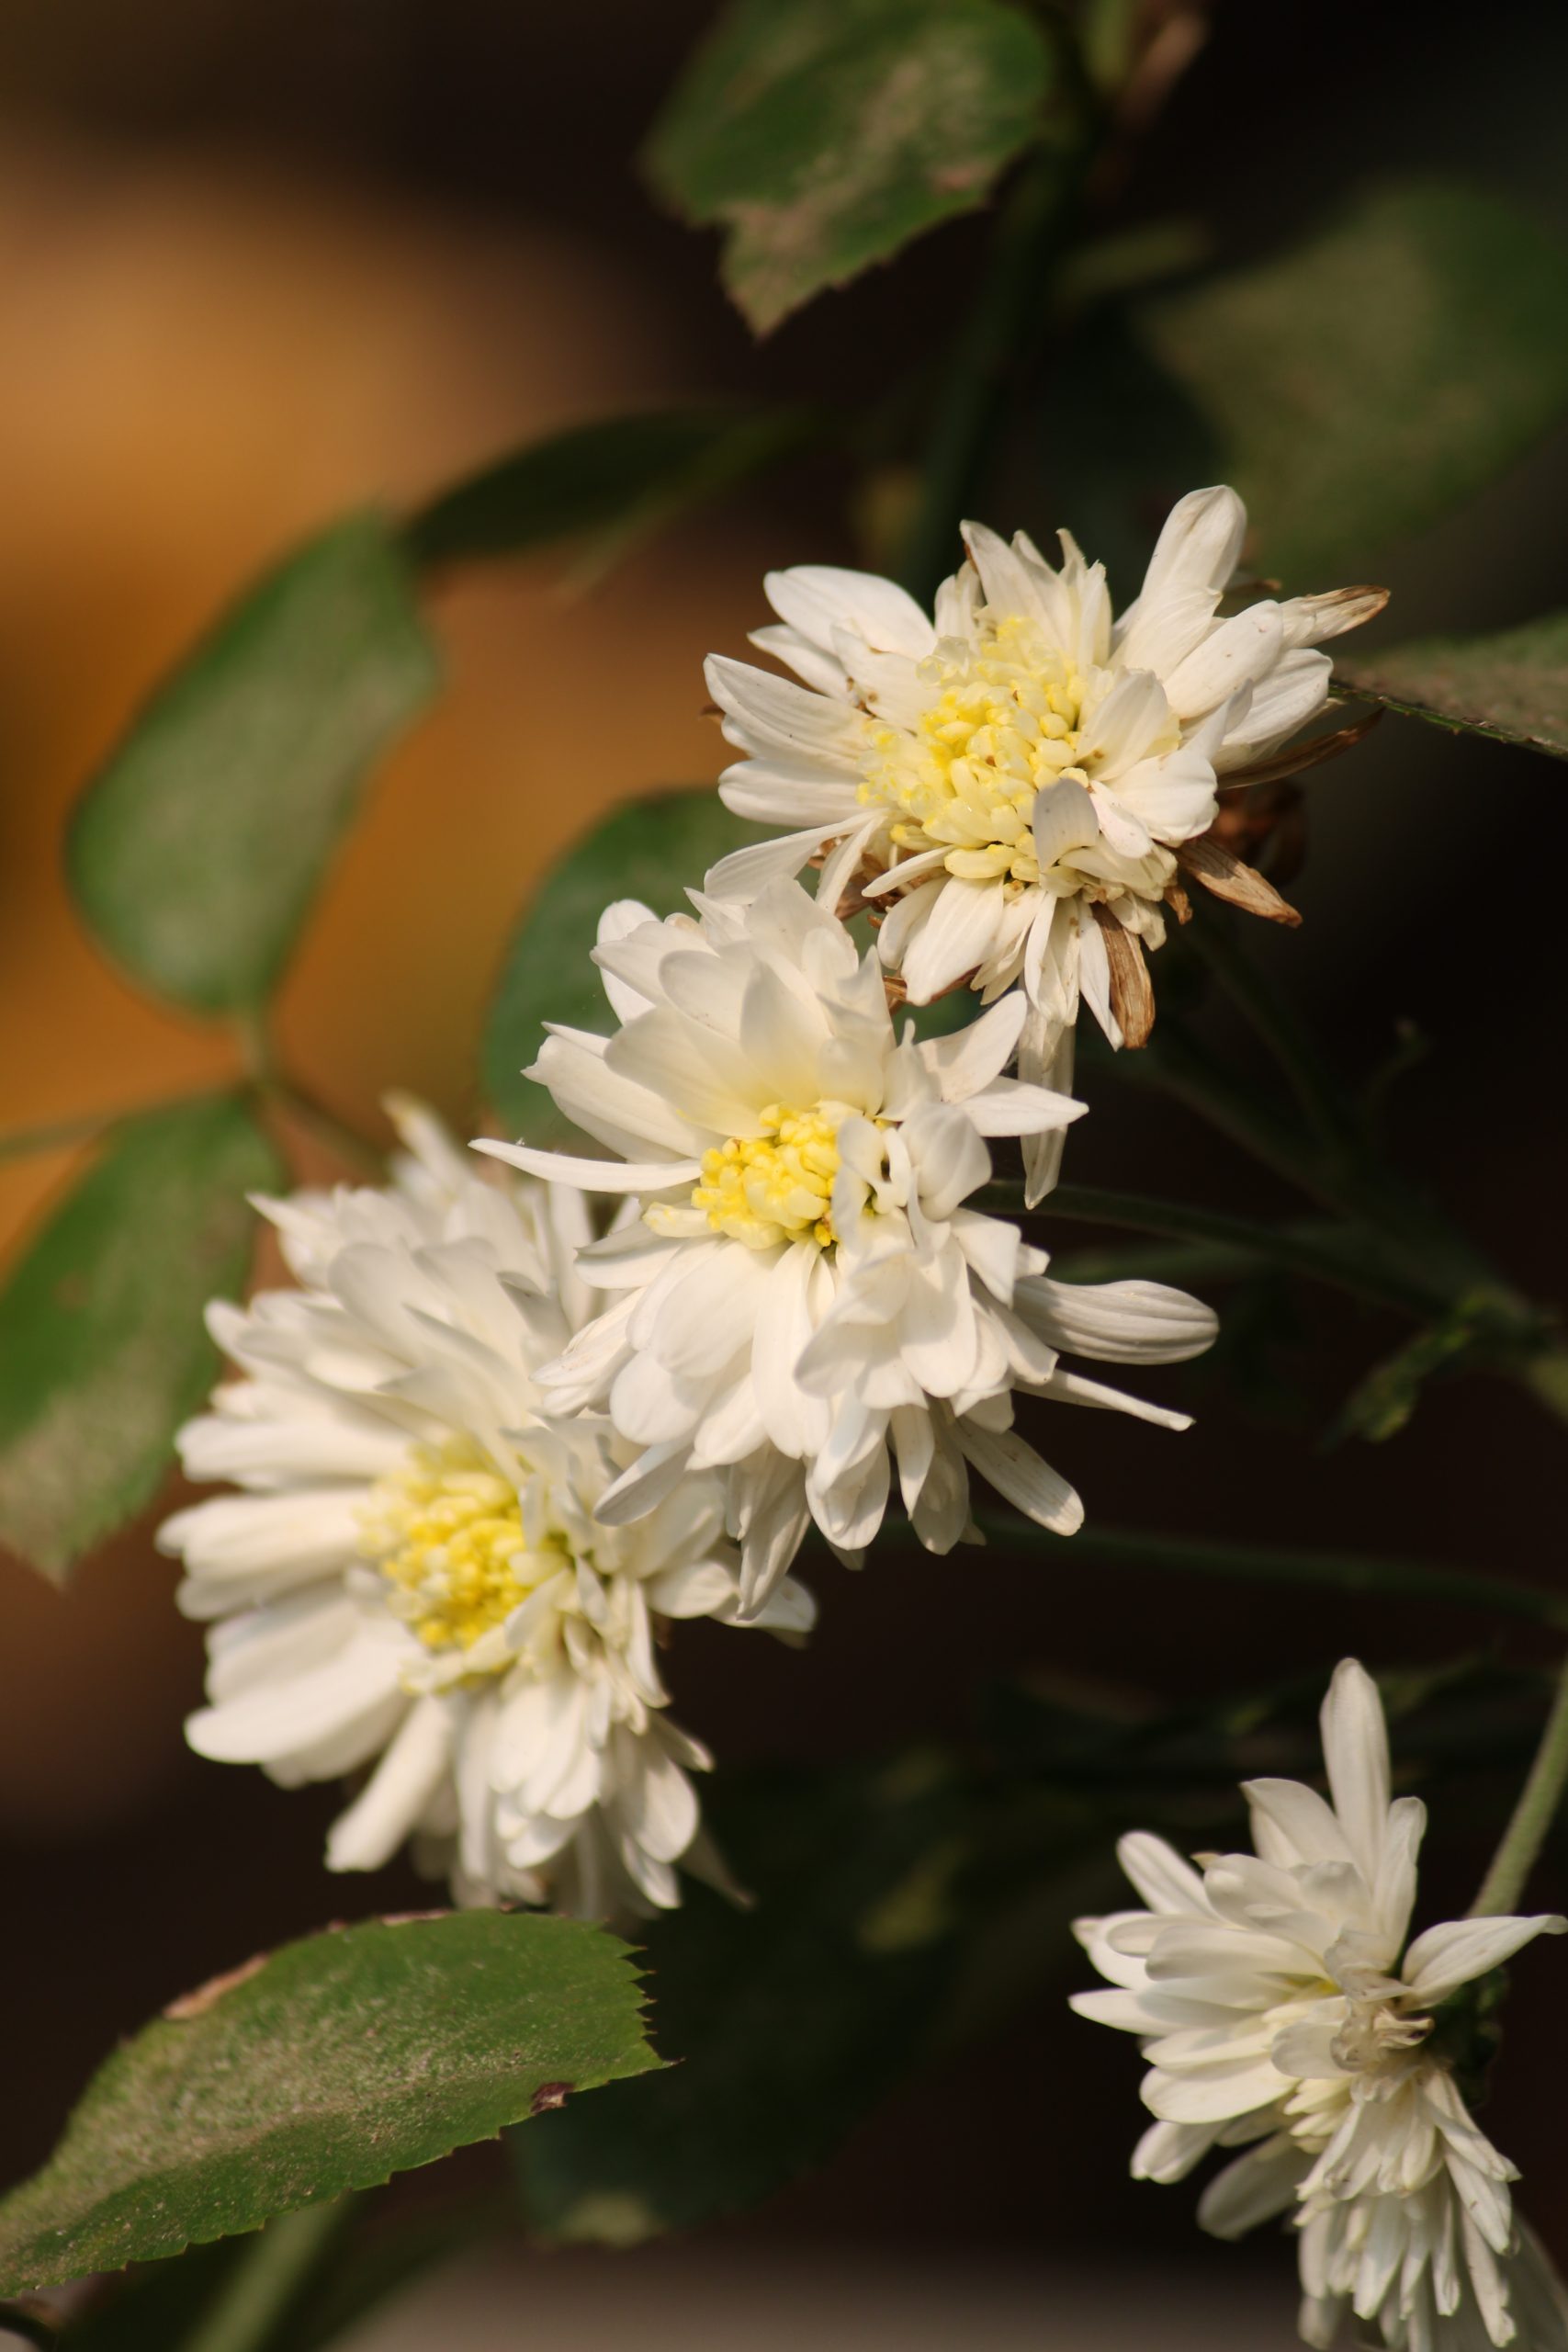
x=414 y=1577
x=494 y=1440
x=1281 y=2011
x=485 y=1451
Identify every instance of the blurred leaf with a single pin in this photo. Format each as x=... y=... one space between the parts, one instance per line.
x=790 y=2019
x=195 y=853
x=328 y=2065
x=621 y=477
x=1375 y=376
x=653 y=850
x=1512 y=686
x=824 y=134
x=1476 y=1330
x=103 y=1351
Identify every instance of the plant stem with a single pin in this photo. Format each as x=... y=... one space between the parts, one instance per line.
x=1257 y=1564
x=982 y=355
x=1302 y=1253
x=1533 y=1815
x=343 y=1139
x=1275 y=1023
x=272 y=2268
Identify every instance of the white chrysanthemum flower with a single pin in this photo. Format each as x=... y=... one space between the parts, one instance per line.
x=1281 y=2007
x=414 y=1580
x=806 y=1287
x=1015 y=782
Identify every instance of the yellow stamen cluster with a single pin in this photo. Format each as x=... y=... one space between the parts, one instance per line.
x=447 y=1532
x=772 y=1187
x=1003 y=721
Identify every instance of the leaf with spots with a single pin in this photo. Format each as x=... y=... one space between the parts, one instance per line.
x=1512 y=688
x=102 y=1351
x=339 y=2061
x=822 y=135
x=194 y=854
x=1364 y=384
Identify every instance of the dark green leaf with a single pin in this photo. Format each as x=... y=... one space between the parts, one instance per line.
x=330 y=2065
x=791 y=2019
x=653 y=850
x=824 y=134
x=1513 y=688
x=195 y=852
x=1367 y=382
x=621 y=477
x=103 y=1353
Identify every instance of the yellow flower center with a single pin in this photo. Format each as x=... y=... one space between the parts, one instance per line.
x=446 y=1532
x=1004 y=721
x=773 y=1187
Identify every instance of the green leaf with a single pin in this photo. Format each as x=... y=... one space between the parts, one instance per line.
x=622 y=478
x=1513 y=688
x=791 y=2019
x=653 y=850
x=103 y=1353
x=1365 y=383
x=330 y=2065
x=195 y=853
x=824 y=134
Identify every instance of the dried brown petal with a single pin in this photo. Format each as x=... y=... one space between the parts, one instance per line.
x=1308 y=754
x=1240 y=885
x=1131 y=993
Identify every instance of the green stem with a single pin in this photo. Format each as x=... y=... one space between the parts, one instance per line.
x=343 y=1141
x=1274 y=1021
x=1533 y=1815
x=1174 y=1062
x=981 y=359
x=270 y=2273
x=1255 y=1564
x=1321 y=1260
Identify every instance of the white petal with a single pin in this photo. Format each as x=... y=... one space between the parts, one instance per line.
x=1130 y=1322
x=957 y=935
x=1451 y=1955
x=593 y=1175
x=1018 y=1472
x=397 y=1793
x=1355 y=1752
x=818 y=598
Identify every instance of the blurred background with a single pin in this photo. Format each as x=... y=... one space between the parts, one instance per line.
x=262 y=259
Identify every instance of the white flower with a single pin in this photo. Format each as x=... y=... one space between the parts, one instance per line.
x=413 y=1579
x=805 y=1286
x=1284 y=2011
x=1015 y=782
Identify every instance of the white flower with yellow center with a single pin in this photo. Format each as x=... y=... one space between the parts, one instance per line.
x=805 y=1288
x=1282 y=2009
x=1014 y=782
x=413 y=1582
